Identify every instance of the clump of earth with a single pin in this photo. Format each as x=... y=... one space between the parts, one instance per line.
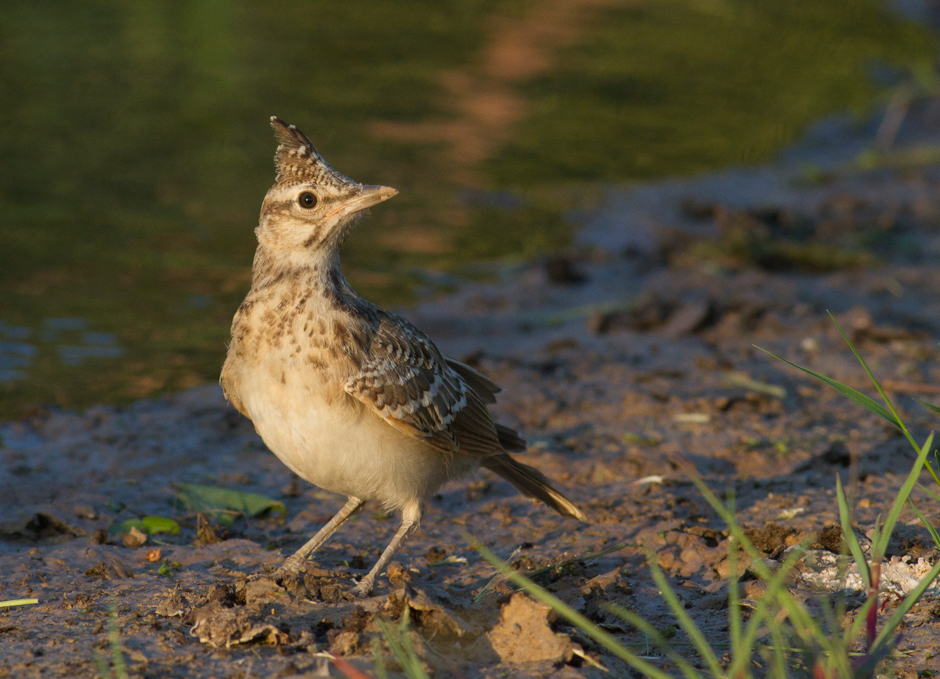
x=627 y=360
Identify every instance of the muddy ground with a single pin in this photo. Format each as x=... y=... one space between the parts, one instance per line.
x=620 y=358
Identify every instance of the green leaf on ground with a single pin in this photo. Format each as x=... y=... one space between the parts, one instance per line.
x=225 y=504
x=9 y=603
x=149 y=525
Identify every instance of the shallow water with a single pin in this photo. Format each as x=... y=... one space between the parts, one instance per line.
x=136 y=150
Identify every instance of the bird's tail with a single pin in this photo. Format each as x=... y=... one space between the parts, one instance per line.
x=530 y=481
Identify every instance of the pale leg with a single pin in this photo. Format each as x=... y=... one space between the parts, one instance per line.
x=295 y=563
x=410 y=518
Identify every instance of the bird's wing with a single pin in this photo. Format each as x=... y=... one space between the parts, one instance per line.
x=405 y=380
x=485 y=388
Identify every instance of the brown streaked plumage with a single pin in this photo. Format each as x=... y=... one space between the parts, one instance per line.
x=349 y=396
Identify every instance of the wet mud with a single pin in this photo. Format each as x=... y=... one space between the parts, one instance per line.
x=625 y=360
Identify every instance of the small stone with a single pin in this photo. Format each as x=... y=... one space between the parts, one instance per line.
x=754 y=589
x=134 y=537
x=345 y=643
x=690 y=318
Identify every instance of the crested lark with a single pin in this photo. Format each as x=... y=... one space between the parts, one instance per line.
x=349 y=396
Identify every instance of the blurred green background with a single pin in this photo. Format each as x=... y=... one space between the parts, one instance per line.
x=136 y=149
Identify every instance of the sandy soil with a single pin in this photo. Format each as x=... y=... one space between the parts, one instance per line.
x=621 y=358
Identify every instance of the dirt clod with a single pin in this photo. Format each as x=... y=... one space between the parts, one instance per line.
x=398 y=575
x=223 y=627
x=830 y=538
x=525 y=635
x=771 y=539
x=429 y=618
x=112 y=570
x=434 y=555
x=345 y=643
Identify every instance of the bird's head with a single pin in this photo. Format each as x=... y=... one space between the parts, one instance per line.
x=311 y=208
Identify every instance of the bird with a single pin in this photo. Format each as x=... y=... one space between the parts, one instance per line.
x=351 y=397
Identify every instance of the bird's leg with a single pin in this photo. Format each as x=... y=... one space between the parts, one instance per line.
x=295 y=563
x=410 y=518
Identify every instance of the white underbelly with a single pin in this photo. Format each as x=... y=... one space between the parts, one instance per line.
x=344 y=447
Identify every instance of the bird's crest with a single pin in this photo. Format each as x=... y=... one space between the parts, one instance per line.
x=297 y=159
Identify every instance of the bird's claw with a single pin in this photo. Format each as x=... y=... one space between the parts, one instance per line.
x=363 y=589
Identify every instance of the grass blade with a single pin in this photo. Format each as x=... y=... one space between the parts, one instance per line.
x=928 y=491
x=928 y=406
x=596 y=633
x=661 y=642
x=927 y=524
x=400 y=644
x=892 y=623
x=685 y=620
x=852 y=394
x=861 y=619
x=779 y=657
x=776 y=588
x=379 y=658
x=9 y=603
x=804 y=625
x=868 y=371
x=936 y=479
x=845 y=519
x=734 y=599
x=881 y=392
x=114 y=641
x=878 y=550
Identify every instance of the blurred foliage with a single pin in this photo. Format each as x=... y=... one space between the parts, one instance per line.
x=136 y=153
x=679 y=87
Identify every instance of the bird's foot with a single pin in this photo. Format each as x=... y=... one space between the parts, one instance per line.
x=364 y=588
x=292 y=567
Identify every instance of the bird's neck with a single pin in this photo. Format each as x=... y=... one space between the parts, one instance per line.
x=319 y=271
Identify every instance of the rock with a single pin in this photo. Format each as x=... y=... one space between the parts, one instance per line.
x=690 y=318
x=134 y=538
x=563 y=270
x=753 y=571
x=711 y=602
x=754 y=589
x=646 y=312
x=346 y=643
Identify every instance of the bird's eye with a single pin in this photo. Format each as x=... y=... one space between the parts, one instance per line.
x=307 y=200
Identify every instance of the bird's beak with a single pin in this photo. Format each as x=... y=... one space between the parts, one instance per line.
x=362 y=197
